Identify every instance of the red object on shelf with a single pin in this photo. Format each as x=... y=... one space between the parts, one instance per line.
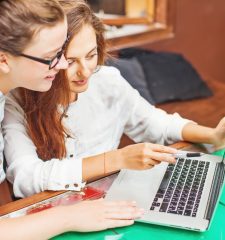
x=69 y=198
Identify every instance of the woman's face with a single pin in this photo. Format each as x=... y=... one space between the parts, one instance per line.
x=33 y=75
x=82 y=57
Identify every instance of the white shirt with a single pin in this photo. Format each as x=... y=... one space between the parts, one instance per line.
x=2 y=104
x=97 y=120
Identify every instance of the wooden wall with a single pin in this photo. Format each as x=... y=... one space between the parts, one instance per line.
x=199 y=36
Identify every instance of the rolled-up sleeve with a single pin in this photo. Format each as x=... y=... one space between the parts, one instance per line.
x=28 y=173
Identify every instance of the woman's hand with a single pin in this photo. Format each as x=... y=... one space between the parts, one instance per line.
x=96 y=215
x=144 y=155
x=219 y=135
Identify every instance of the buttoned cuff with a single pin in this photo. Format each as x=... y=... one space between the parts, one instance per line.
x=66 y=174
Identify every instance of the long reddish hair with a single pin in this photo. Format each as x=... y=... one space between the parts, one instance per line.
x=44 y=111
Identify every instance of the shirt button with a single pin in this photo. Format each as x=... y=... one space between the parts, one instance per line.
x=71 y=155
x=67 y=186
x=75 y=185
x=65 y=115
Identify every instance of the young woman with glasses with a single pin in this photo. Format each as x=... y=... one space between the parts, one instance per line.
x=33 y=34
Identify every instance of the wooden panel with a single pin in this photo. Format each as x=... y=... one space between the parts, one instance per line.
x=5 y=193
x=199 y=36
x=115 y=6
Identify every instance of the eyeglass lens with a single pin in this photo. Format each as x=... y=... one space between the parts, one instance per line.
x=56 y=60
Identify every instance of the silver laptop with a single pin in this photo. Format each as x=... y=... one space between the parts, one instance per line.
x=183 y=195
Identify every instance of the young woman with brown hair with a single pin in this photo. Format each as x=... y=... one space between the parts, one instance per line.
x=33 y=34
x=76 y=139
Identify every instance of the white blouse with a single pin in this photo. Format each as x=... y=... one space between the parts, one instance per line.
x=97 y=120
x=2 y=104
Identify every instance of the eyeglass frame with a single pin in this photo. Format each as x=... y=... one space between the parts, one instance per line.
x=48 y=62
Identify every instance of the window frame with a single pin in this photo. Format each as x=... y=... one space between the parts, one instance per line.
x=160 y=28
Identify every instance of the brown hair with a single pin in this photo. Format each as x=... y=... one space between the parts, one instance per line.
x=44 y=120
x=78 y=14
x=20 y=20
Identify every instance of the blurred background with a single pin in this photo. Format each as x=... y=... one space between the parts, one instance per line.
x=194 y=29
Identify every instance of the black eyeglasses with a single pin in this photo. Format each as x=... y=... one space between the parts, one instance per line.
x=52 y=62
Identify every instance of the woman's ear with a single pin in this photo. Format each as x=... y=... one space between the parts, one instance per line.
x=4 y=67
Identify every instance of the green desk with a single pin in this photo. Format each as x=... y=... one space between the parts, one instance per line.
x=142 y=231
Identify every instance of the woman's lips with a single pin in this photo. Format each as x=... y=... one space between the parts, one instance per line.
x=50 y=78
x=81 y=82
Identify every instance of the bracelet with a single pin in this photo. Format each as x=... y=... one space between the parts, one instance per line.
x=104 y=164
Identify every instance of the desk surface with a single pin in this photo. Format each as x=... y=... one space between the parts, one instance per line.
x=143 y=231
x=138 y=230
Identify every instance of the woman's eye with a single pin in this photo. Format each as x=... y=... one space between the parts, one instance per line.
x=91 y=56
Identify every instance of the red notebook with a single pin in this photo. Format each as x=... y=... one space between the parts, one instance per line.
x=67 y=199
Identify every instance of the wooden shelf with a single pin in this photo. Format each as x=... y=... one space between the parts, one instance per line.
x=160 y=28
x=152 y=35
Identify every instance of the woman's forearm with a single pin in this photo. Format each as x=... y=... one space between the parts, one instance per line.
x=139 y=156
x=198 y=134
x=43 y=225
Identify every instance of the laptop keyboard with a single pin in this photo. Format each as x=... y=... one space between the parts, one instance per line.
x=181 y=188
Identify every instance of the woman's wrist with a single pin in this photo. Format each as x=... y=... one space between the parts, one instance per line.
x=212 y=136
x=216 y=138
x=70 y=217
x=113 y=161
x=62 y=218
x=199 y=134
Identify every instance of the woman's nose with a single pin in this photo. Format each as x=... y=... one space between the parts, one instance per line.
x=83 y=71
